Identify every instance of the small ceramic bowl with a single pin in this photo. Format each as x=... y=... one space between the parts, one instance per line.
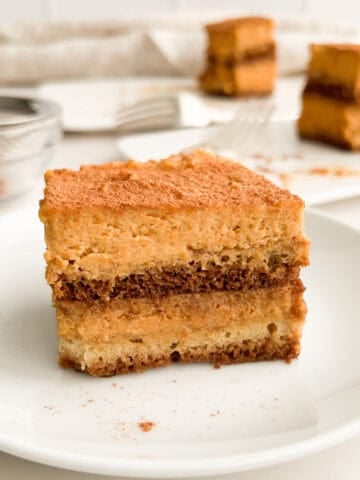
x=30 y=130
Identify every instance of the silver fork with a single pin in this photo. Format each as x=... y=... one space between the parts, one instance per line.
x=169 y=111
x=242 y=131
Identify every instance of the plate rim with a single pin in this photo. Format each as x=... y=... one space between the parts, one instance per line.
x=186 y=468
x=313 y=198
x=46 y=90
x=176 y=468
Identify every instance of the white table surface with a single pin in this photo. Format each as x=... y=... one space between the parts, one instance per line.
x=339 y=463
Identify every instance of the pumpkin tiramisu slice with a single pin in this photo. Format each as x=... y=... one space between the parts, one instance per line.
x=221 y=327
x=193 y=258
x=331 y=98
x=240 y=57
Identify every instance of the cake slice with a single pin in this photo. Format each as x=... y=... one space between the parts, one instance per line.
x=240 y=57
x=334 y=70
x=193 y=258
x=220 y=327
x=241 y=38
x=249 y=78
x=331 y=98
x=330 y=120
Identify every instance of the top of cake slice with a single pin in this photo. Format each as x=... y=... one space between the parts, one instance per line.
x=331 y=48
x=239 y=37
x=232 y=24
x=188 y=180
x=335 y=64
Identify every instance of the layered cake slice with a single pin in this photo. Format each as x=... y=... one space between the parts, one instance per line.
x=193 y=258
x=331 y=98
x=240 y=57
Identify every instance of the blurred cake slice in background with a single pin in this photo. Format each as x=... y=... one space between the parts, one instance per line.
x=240 y=57
x=331 y=98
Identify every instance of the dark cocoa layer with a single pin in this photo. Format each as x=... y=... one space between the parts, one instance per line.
x=251 y=56
x=192 y=278
x=327 y=89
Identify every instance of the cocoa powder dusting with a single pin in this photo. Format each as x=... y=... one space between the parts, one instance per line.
x=146 y=426
x=335 y=172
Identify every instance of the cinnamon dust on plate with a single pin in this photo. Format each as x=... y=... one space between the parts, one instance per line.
x=146 y=426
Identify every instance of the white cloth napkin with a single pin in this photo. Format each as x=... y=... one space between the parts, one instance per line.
x=167 y=46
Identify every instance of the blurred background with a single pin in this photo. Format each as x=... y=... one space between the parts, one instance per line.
x=346 y=11
x=93 y=59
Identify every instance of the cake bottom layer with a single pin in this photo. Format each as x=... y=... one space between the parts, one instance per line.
x=110 y=360
x=330 y=120
x=251 y=78
x=126 y=335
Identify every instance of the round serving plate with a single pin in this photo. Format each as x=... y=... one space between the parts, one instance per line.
x=205 y=421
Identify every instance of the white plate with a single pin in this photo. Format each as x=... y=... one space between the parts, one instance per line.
x=277 y=153
x=92 y=104
x=207 y=421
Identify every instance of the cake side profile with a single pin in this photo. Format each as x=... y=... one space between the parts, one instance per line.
x=145 y=260
x=221 y=327
x=241 y=57
x=330 y=120
x=334 y=70
x=331 y=98
x=252 y=78
x=193 y=203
